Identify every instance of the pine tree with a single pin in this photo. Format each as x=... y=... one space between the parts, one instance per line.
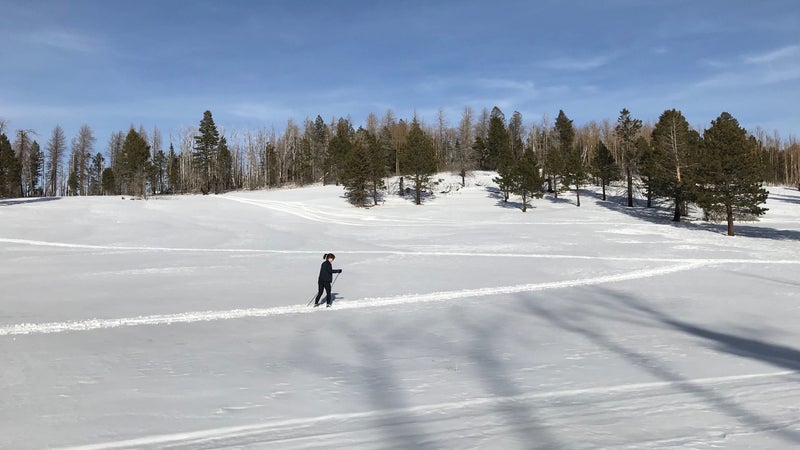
x=320 y=134
x=574 y=170
x=730 y=172
x=10 y=171
x=627 y=131
x=527 y=178
x=173 y=171
x=136 y=154
x=675 y=147
x=376 y=156
x=95 y=174
x=206 y=146
x=419 y=159
x=35 y=166
x=224 y=167
x=158 y=182
x=355 y=171
x=605 y=167
x=499 y=155
x=340 y=145
x=108 y=181
x=648 y=168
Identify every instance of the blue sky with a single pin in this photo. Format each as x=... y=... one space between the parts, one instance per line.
x=256 y=64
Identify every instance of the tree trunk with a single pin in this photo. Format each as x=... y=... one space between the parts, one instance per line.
x=729 y=213
x=677 y=216
x=629 y=177
x=578 y=194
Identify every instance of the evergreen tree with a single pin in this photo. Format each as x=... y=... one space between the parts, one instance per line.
x=158 y=183
x=648 y=168
x=376 y=156
x=675 y=147
x=500 y=157
x=554 y=162
x=627 y=131
x=95 y=174
x=224 y=167
x=173 y=171
x=206 y=146
x=419 y=159
x=108 y=182
x=340 y=145
x=35 y=166
x=730 y=172
x=355 y=171
x=605 y=167
x=136 y=154
x=481 y=151
x=574 y=171
x=320 y=134
x=527 y=178
x=10 y=171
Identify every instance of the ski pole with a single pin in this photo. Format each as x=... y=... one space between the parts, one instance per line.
x=312 y=299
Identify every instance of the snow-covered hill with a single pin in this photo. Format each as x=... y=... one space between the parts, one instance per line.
x=462 y=323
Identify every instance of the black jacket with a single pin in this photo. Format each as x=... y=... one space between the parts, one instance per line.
x=326 y=272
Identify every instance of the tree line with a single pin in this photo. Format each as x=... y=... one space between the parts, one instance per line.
x=665 y=160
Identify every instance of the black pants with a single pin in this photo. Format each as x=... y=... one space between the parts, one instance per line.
x=327 y=287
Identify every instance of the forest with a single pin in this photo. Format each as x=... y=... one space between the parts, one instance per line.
x=720 y=169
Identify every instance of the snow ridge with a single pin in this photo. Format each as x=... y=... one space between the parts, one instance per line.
x=205 y=316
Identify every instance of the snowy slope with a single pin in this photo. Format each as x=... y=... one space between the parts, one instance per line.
x=181 y=322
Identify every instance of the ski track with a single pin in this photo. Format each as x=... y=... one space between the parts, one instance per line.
x=206 y=316
x=285 y=430
x=37 y=243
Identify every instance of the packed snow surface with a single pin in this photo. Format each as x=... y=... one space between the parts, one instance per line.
x=183 y=322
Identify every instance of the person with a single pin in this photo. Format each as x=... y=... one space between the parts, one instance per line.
x=325 y=278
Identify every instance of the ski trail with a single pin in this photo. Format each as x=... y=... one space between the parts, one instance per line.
x=37 y=243
x=272 y=430
x=206 y=316
x=297 y=209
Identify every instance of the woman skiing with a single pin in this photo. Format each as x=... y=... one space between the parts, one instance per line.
x=325 y=278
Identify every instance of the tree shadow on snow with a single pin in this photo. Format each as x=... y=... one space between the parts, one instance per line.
x=781 y=356
x=22 y=201
x=774 y=354
x=662 y=212
x=496 y=194
x=488 y=343
x=785 y=198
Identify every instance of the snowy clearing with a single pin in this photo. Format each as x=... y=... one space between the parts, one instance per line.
x=182 y=322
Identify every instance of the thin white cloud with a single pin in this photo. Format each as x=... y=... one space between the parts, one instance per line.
x=775 y=66
x=788 y=54
x=64 y=40
x=577 y=64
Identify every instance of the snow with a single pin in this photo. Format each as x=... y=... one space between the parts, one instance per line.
x=182 y=322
